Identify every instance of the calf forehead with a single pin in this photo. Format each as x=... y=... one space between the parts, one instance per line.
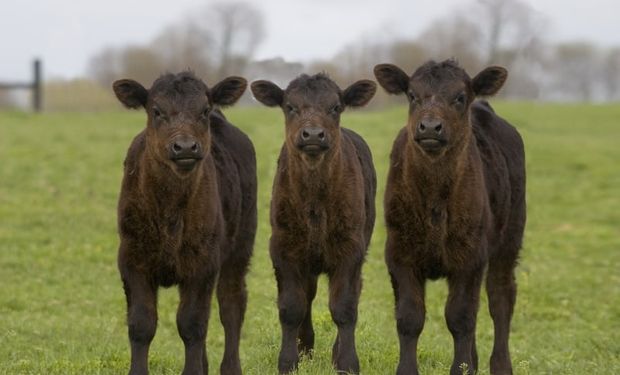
x=313 y=90
x=440 y=77
x=181 y=91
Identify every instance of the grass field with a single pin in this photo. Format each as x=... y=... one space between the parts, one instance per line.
x=62 y=307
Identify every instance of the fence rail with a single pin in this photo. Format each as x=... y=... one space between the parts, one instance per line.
x=36 y=86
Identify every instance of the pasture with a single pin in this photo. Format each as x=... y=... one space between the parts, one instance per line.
x=62 y=308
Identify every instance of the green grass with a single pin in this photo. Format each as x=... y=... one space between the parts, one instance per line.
x=62 y=307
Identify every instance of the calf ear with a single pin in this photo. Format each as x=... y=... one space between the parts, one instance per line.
x=392 y=78
x=267 y=93
x=130 y=93
x=359 y=93
x=228 y=91
x=489 y=81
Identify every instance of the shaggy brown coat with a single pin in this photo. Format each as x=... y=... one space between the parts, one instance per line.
x=454 y=204
x=322 y=211
x=186 y=213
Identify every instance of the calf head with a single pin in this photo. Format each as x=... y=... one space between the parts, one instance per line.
x=440 y=96
x=178 y=108
x=312 y=106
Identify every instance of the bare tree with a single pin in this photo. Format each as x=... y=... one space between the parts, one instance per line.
x=356 y=60
x=142 y=64
x=511 y=35
x=454 y=36
x=219 y=41
x=6 y=100
x=185 y=46
x=104 y=67
x=575 y=71
x=512 y=25
x=237 y=29
x=408 y=54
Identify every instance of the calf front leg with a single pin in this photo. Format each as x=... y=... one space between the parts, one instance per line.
x=306 y=331
x=345 y=285
x=461 y=310
x=410 y=314
x=141 y=317
x=292 y=311
x=192 y=321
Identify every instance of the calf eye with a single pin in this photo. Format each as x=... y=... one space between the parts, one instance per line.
x=460 y=99
x=206 y=112
x=412 y=97
x=336 y=109
x=156 y=112
x=290 y=109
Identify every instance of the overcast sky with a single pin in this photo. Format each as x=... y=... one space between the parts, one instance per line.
x=66 y=33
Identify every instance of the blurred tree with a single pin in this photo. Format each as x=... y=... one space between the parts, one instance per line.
x=104 y=67
x=7 y=100
x=611 y=74
x=139 y=63
x=78 y=95
x=575 y=70
x=408 y=54
x=510 y=24
x=218 y=41
x=142 y=64
x=454 y=36
x=356 y=61
x=512 y=33
x=185 y=46
x=237 y=29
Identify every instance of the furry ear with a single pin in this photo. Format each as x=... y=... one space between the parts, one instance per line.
x=131 y=93
x=228 y=91
x=359 y=93
x=489 y=81
x=267 y=93
x=392 y=78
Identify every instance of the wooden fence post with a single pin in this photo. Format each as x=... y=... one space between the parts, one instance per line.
x=37 y=87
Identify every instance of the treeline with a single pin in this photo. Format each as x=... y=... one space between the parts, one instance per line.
x=221 y=39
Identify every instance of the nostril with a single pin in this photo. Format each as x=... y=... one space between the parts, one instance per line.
x=305 y=135
x=422 y=127
x=195 y=147
x=321 y=135
x=438 y=128
x=176 y=147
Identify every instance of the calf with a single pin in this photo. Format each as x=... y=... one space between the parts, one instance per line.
x=322 y=211
x=454 y=204
x=187 y=211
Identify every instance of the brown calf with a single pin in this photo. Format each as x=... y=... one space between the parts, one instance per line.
x=454 y=204
x=187 y=211
x=322 y=211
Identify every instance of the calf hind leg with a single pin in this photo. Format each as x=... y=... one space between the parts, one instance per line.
x=232 y=299
x=502 y=291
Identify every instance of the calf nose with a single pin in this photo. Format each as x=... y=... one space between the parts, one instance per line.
x=312 y=134
x=430 y=128
x=185 y=148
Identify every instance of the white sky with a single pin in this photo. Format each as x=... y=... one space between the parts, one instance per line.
x=66 y=33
